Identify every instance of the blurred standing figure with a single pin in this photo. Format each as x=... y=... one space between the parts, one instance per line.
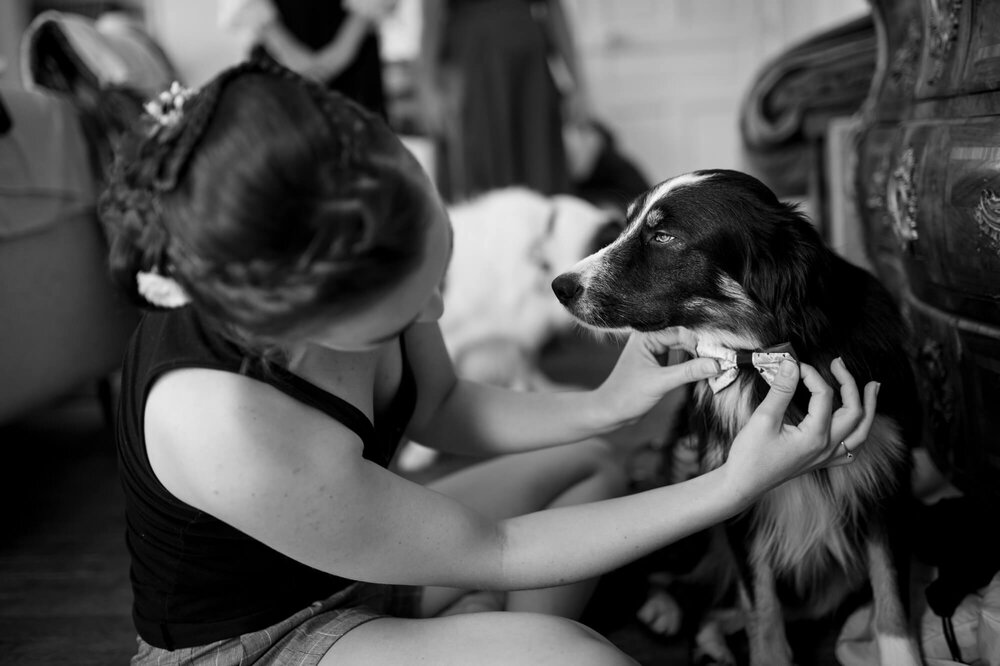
x=487 y=92
x=331 y=41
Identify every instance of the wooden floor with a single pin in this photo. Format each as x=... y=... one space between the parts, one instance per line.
x=64 y=592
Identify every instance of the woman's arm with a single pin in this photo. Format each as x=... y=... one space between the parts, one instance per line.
x=292 y=478
x=460 y=416
x=427 y=72
x=577 y=100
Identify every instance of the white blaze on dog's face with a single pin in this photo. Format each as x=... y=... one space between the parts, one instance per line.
x=689 y=257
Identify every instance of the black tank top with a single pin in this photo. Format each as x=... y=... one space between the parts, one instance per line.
x=195 y=579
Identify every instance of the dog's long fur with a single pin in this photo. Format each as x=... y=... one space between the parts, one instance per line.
x=716 y=252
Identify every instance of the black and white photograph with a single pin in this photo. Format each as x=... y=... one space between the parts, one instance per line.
x=500 y=332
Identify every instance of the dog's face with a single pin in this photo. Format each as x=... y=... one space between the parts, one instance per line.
x=713 y=251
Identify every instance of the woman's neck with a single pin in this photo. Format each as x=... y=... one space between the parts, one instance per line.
x=312 y=361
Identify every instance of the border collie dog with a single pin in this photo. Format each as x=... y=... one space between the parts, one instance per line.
x=716 y=252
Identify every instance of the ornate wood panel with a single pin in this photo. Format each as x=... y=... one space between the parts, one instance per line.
x=928 y=191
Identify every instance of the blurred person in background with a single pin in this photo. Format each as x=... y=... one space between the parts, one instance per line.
x=332 y=42
x=497 y=80
x=600 y=171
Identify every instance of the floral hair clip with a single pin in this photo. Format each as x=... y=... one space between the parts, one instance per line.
x=161 y=291
x=168 y=107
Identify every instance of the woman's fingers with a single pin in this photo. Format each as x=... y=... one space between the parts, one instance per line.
x=849 y=433
x=836 y=460
x=782 y=389
x=853 y=432
x=851 y=407
x=677 y=356
x=695 y=369
x=820 y=401
x=676 y=337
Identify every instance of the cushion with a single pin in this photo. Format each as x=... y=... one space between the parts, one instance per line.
x=58 y=48
x=45 y=169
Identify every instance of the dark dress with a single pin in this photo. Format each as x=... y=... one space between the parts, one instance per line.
x=315 y=23
x=510 y=121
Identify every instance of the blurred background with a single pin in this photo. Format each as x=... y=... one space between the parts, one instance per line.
x=583 y=98
x=667 y=75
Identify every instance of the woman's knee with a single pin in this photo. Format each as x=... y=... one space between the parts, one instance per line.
x=526 y=639
x=580 y=645
x=549 y=639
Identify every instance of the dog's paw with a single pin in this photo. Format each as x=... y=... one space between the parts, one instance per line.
x=711 y=648
x=900 y=650
x=661 y=613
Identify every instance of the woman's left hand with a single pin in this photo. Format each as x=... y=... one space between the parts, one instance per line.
x=639 y=379
x=768 y=451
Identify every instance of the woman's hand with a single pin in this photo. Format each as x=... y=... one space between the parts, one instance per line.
x=639 y=379
x=768 y=452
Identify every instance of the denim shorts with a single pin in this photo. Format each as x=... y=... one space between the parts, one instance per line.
x=301 y=639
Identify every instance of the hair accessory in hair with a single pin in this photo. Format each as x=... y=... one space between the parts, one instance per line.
x=161 y=291
x=168 y=107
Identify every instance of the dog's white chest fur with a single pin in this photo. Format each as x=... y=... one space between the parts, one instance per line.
x=801 y=527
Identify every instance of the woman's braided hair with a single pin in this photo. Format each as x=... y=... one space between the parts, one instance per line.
x=272 y=201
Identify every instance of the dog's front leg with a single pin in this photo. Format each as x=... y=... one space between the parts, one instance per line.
x=765 y=625
x=895 y=644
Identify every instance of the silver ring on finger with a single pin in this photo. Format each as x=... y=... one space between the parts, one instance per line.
x=847 y=451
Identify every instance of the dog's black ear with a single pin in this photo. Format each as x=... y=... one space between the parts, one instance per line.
x=787 y=265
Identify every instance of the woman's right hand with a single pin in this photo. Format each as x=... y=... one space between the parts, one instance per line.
x=767 y=451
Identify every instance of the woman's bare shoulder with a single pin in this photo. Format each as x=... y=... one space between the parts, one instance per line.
x=208 y=427
x=294 y=479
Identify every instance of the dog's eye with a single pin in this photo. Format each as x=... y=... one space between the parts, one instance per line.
x=662 y=237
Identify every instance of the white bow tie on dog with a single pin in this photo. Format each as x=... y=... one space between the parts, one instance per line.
x=765 y=361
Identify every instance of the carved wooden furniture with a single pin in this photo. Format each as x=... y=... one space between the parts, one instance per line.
x=928 y=193
x=785 y=115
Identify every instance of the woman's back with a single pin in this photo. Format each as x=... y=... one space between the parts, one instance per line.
x=195 y=578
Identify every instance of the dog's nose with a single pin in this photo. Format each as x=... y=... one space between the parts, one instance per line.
x=567 y=287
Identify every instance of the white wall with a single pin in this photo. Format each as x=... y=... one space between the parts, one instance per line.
x=189 y=33
x=669 y=75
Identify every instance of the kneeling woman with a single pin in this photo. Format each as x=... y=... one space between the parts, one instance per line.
x=291 y=253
